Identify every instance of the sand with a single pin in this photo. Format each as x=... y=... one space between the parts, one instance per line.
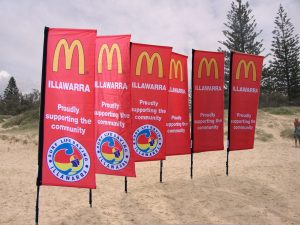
x=262 y=187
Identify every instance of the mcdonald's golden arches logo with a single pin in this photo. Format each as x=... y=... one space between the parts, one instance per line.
x=109 y=57
x=208 y=65
x=176 y=65
x=150 y=62
x=69 y=55
x=246 y=68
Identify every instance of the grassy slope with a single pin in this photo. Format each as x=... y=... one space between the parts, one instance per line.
x=24 y=121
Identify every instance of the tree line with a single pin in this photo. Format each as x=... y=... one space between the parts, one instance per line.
x=280 y=84
x=13 y=102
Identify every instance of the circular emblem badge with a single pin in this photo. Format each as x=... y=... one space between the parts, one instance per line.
x=147 y=140
x=68 y=160
x=112 y=151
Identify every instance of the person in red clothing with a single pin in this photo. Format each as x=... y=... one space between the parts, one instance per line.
x=297 y=132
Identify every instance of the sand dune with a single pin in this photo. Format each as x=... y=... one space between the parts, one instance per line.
x=262 y=187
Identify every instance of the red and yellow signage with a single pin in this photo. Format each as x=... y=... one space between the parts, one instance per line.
x=245 y=89
x=208 y=101
x=114 y=153
x=178 y=125
x=149 y=100
x=68 y=131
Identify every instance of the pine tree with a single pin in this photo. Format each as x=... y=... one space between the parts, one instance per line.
x=285 y=51
x=11 y=98
x=1 y=106
x=241 y=34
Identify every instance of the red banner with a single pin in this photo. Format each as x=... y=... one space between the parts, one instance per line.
x=178 y=125
x=149 y=100
x=208 y=101
x=245 y=89
x=112 y=106
x=68 y=132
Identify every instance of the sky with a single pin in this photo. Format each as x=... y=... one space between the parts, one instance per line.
x=184 y=25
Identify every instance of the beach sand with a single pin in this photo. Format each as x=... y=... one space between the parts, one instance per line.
x=262 y=186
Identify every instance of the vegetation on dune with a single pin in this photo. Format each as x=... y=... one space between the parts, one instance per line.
x=262 y=135
x=282 y=110
x=17 y=109
x=13 y=102
x=287 y=133
x=26 y=120
x=3 y=117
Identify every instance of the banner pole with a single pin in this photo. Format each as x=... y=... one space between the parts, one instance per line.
x=41 y=126
x=161 y=171
x=131 y=121
x=192 y=163
x=37 y=204
x=229 y=120
x=90 y=199
x=227 y=161
x=192 y=115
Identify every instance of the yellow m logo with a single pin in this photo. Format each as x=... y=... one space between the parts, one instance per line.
x=208 y=65
x=176 y=65
x=68 y=55
x=247 y=69
x=109 y=57
x=150 y=62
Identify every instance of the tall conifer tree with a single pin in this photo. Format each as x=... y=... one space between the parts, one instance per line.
x=285 y=51
x=240 y=33
x=11 y=98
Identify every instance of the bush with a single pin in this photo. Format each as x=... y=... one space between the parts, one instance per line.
x=262 y=135
x=287 y=133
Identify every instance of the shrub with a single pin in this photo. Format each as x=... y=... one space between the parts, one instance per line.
x=263 y=135
x=287 y=133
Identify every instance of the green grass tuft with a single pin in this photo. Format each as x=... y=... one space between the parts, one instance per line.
x=287 y=133
x=263 y=135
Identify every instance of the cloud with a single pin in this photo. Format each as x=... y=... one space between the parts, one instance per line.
x=4 y=77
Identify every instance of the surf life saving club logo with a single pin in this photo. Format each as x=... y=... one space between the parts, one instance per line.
x=112 y=151
x=147 y=140
x=68 y=160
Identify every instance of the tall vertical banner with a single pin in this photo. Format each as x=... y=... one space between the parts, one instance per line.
x=208 y=101
x=245 y=89
x=149 y=100
x=67 y=146
x=112 y=106
x=178 y=125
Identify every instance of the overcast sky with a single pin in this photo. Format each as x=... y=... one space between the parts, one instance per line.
x=181 y=24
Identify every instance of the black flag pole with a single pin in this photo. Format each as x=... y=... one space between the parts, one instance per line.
x=90 y=199
x=161 y=171
x=229 y=106
x=125 y=180
x=41 y=126
x=227 y=161
x=192 y=115
x=125 y=184
x=37 y=205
